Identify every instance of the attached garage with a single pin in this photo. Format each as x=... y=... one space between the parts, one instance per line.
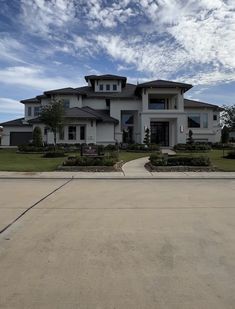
x=20 y=138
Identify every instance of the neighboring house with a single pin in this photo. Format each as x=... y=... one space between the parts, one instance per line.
x=109 y=110
x=1 y=130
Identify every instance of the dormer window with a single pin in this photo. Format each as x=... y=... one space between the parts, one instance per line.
x=114 y=87
x=107 y=87
x=101 y=87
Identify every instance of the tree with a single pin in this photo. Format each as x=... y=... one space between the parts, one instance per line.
x=190 y=137
x=52 y=115
x=225 y=135
x=147 y=137
x=228 y=116
x=37 y=137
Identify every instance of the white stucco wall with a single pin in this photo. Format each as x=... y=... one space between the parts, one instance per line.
x=108 y=82
x=105 y=133
x=94 y=103
x=213 y=132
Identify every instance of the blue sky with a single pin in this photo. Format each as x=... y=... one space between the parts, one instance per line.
x=49 y=44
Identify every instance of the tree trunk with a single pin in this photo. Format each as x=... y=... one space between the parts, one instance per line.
x=54 y=140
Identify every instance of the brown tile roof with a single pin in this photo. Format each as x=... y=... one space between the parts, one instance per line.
x=197 y=104
x=164 y=84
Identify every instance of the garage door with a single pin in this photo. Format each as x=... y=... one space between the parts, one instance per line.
x=20 y=138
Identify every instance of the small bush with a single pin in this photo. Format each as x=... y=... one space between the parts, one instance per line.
x=30 y=148
x=111 y=147
x=231 y=154
x=179 y=161
x=55 y=154
x=143 y=147
x=222 y=146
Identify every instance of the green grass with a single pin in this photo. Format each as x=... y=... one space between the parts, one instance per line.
x=12 y=161
x=216 y=156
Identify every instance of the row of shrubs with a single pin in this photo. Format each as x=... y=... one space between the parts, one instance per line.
x=159 y=160
x=140 y=147
x=91 y=161
x=201 y=147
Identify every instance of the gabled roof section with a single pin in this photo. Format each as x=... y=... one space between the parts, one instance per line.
x=83 y=113
x=159 y=83
x=197 y=104
x=68 y=90
x=32 y=100
x=100 y=114
x=20 y=122
x=92 y=78
x=128 y=92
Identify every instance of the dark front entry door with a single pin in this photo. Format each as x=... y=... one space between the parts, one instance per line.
x=160 y=133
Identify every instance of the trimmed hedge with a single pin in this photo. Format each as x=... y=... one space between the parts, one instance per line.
x=159 y=160
x=222 y=146
x=54 y=154
x=92 y=161
x=192 y=147
x=142 y=147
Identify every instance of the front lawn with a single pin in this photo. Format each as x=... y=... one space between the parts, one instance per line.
x=12 y=161
x=216 y=157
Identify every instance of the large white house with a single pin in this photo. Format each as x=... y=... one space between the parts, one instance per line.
x=109 y=110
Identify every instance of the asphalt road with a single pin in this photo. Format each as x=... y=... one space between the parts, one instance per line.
x=108 y=244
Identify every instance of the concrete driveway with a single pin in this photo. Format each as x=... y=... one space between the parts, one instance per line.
x=118 y=244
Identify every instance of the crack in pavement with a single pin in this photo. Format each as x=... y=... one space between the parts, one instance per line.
x=35 y=204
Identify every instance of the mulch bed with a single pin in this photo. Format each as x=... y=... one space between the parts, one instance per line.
x=153 y=168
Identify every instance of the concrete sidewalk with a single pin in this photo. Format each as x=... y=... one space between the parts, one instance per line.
x=118 y=175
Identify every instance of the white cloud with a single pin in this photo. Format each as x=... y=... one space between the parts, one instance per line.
x=10 y=49
x=35 y=77
x=10 y=106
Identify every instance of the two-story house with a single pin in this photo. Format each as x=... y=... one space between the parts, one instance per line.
x=109 y=110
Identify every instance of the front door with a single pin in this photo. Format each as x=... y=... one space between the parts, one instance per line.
x=160 y=133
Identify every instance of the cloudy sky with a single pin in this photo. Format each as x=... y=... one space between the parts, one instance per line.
x=48 y=44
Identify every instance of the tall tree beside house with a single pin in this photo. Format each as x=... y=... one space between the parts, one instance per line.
x=52 y=115
x=37 y=137
x=228 y=116
x=147 y=137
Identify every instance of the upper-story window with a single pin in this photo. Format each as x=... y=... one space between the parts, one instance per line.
x=194 y=120
x=205 y=120
x=66 y=103
x=215 y=118
x=107 y=87
x=114 y=87
x=29 y=111
x=101 y=87
x=37 y=110
x=157 y=103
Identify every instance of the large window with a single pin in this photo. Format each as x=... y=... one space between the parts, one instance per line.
x=194 y=120
x=66 y=103
x=72 y=133
x=205 y=120
x=101 y=87
x=127 y=119
x=114 y=87
x=157 y=104
x=37 y=111
x=82 y=133
x=108 y=87
x=61 y=134
x=29 y=111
